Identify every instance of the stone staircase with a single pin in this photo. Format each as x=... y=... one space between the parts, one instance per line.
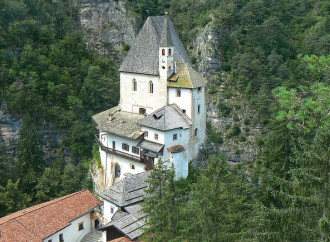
x=92 y=237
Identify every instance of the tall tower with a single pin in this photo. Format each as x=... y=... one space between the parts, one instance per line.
x=166 y=48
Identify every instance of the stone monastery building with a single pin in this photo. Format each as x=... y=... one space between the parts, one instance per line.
x=161 y=113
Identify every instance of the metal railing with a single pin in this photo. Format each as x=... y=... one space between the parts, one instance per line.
x=117 y=152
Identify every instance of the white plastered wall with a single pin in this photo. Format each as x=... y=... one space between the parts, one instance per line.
x=131 y=101
x=71 y=232
x=184 y=101
x=107 y=214
x=199 y=120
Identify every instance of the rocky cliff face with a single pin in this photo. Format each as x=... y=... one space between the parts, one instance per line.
x=205 y=50
x=107 y=21
x=9 y=130
x=10 y=126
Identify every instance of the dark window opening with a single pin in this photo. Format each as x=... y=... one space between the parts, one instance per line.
x=113 y=145
x=145 y=134
x=117 y=171
x=183 y=110
x=151 y=87
x=169 y=52
x=175 y=136
x=134 y=85
x=199 y=89
x=163 y=51
x=156 y=136
x=178 y=93
x=80 y=226
x=199 y=108
x=61 y=238
x=142 y=111
x=135 y=150
x=163 y=67
x=196 y=132
x=125 y=147
x=132 y=167
x=111 y=210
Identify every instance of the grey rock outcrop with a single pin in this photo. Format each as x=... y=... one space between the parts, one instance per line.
x=10 y=126
x=9 y=130
x=107 y=21
x=205 y=50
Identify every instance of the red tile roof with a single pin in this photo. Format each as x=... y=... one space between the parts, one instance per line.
x=39 y=222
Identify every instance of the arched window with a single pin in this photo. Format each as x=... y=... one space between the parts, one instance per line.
x=151 y=87
x=134 y=85
x=169 y=52
x=117 y=171
x=196 y=132
x=163 y=51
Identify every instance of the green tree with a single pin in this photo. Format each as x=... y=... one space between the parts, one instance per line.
x=12 y=198
x=222 y=205
x=160 y=204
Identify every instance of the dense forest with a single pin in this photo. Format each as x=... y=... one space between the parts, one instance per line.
x=276 y=53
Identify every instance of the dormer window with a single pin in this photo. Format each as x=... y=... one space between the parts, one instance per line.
x=151 y=87
x=169 y=52
x=134 y=85
x=163 y=51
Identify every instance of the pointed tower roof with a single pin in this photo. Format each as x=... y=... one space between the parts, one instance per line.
x=165 y=40
x=143 y=56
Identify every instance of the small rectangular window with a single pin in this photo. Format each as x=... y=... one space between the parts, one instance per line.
x=178 y=93
x=156 y=136
x=135 y=150
x=61 y=238
x=196 y=132
x=175 y=136
x=146 y=134
x=80 y=226
x=49 y=240
x=199 y=108
x=111 y=210
x=125 y=147
x=199 y=89
x=183 y=110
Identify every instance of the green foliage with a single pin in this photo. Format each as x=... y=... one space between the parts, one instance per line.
x=160 y=204
x=224 y=109
x=213 y=135
x=12 y=198
x=234 y=131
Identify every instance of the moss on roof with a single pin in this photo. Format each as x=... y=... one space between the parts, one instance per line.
x=120 y=123
x=186 y=77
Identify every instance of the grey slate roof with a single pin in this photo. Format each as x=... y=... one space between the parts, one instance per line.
x=165 y=40
x=186 y=77
x=149 y=145
x=166 y=118
x=127 y=191
x=127 y=224
x=120 y=123
x=143 y=55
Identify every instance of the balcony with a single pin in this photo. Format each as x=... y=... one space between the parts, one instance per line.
x=117 y=152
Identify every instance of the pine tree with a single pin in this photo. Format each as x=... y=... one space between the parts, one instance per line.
x=221 y=207
x=160 y=204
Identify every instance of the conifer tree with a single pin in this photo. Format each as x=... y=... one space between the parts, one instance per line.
x=160 y=204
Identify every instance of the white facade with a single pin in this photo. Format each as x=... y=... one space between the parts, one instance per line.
x=72 y=232
x=109 y=210
x=133 y=98
x=183 y=101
